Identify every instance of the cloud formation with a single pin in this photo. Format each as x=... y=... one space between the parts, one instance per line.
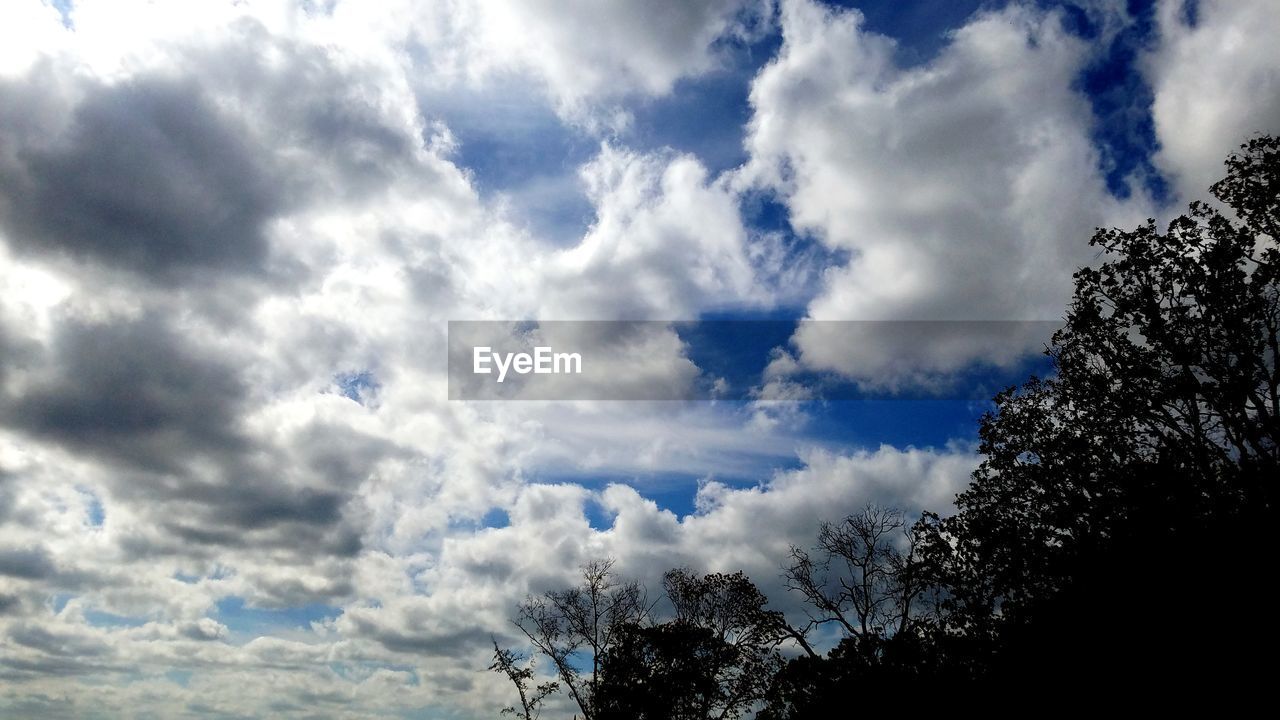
x=232 y=234
x=1216 y=84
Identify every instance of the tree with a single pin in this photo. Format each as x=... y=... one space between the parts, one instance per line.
x=864 y=578
x=579 y=625
x=1120 y=520
x=714 y=659
x=1133 y=493
x=875 y=586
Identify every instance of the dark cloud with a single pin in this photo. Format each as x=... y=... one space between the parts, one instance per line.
x=298 y=526
x=341 y=456
x=30 y=563
x=308 y=100
x=7 y=484
x=166 y=414
x=8 y=353
x=60 y=643
x=149 y=176
x=295 y=526
x=132 y=390
x=455 y=642
x=258 y=507
x=10 y=604
x=175 y=175
x=278 y=592
x=496 y=570
x=262 y=515
x=58 y=652
x=26 y=668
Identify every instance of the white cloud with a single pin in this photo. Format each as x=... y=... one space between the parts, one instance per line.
x=964 y=189
x=1216 y=84
x=584 y=50
x=667 y=243
x=584 y=57
x=434 y=613
x=30 y=28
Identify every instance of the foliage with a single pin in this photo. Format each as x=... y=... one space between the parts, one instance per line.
x=1152 y=452
x=715 y=659
x=1123 y=506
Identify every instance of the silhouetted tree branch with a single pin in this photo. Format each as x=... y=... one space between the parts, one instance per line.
x=512 y=665
x=565 y=625
x=865 y=578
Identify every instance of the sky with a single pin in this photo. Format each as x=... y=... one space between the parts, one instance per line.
x=233 y=235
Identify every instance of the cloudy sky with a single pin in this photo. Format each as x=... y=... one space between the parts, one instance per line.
x=232 y=236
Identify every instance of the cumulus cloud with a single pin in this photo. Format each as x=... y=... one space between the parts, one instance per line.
x=734 y=527
x=208 y=221
x=438 y=616
x=148 y=176
x=987 y=228
x=587 y=55
x=667 y=242
x=964 y=189
x=1216 y=80
x=911 y=358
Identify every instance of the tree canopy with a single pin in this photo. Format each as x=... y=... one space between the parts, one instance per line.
x=1132 y=494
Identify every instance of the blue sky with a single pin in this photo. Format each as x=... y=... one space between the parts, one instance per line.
x=511 y=149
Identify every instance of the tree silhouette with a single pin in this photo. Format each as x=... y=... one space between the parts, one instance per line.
x=577 y=626
x=875 y=586
x=1146 y=467
x=864 y=578
x=715 y=659
x=1118 y=523
x=521 y=673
